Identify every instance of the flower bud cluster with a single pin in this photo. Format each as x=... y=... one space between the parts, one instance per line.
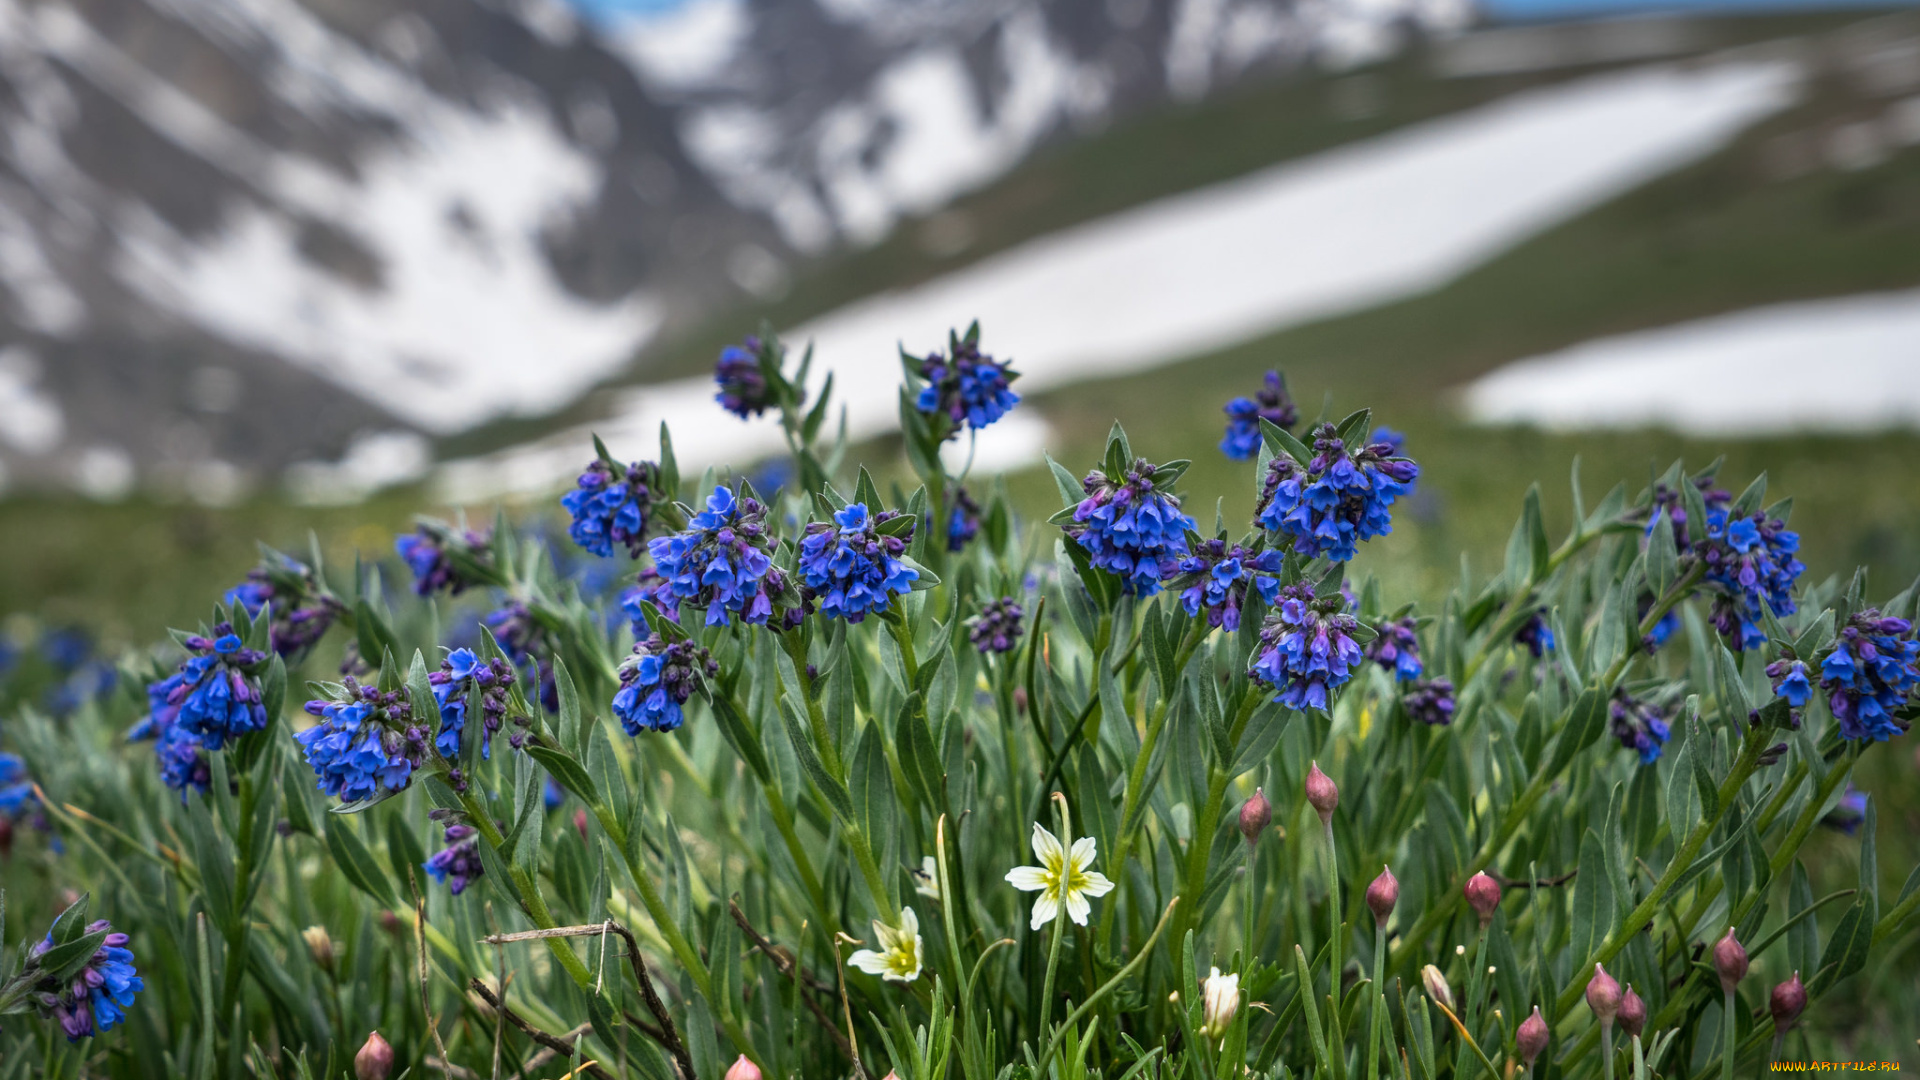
x=457 y=864
x=1397 y=648
x=722 y=562
x=1130 y=527
x=612 y=504
x=94 y=999
x=971 y=389
x=461 y=683
x=853 y=566
x=997 y=627
x=656 y=681
x=1306 y=648
x=1271 y=403
x=963 y=522
x=744 y=390
x=430 y=552
x=1216 y=579
x=1430 y=702
x=1873 y=668
x=1750 y=561
x=365 y=742
x=1336 y=499
x=1640 y=726
x=211 y=700
x=303 y=610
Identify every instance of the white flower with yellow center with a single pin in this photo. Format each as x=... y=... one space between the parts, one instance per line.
x=898 y=959
x=1062 y=878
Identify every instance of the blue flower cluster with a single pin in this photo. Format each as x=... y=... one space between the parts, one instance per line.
x=1216 y=578
x=1337 y=499
x=721 y=562
x=997 y=627
x=213 y=698
x=1535 y=634
x=457 y=865
x=971 y=389
x=1873 y=669
x=429 y=554
x=1307 y=648
x=611 y=506
x=1397 y=648
x=743 y=385
x=647 y=586
x=461 y=680
x=96 y=999
x=1430 y=702
x=853 y=566
x=364 y=743
x=1669 y=500
x=303 y=610
x=1639 y=725
x=1750 y=561
x=964 y=524
x=1130 y=527
x=1271 y=403
x=656 y=681
x=16 y=787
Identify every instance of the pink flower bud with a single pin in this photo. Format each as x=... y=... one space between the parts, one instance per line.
x=580 y=822
x=1603 y=996
x=1483 y=895
x=1255 y=814
x=1787 y=1002
x=1322 y=793
x=375 y=1059
x=1730 y=960
x=1531 y=1038
x=742 y=1069
x=1382 y=895
x=1633 y=1012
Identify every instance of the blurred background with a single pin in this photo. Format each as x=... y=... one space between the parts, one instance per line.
x=277 y=266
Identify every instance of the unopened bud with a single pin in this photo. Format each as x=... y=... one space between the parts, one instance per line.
x=319 y=946
x=1483 y=895
x=1531 y=1038
x=1730 y=960
x=1633 y=1012
x=742 y=1069
x=1322 y=793
x=1255 y=814
x=375 y=1059
x=1603 y=996
x=1220 y=1000
x=1436 y=985
x=391 y=923
x=1787 y=1002
x=1382 y=895
x=580 y=822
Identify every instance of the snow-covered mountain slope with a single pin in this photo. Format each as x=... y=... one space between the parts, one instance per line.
x=238 y=236
x=235 y=234
x=1355 y=227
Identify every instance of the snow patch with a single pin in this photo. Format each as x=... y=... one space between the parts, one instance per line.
x=1742 y=374
x=375 y=460
x=686 y=47
x=30 y=419
x=1342 y=231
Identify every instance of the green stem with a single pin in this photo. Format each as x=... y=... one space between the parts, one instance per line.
x=1606 y=1047
x=1617 y=938
x=242 y=880
x=1518 y=813
x=816 y=719
x=1727 y=1035
x=1059 y=916
x=1334 y=963
x=528 y=891
x=1120 y=976
x=1137 y=777
x=1379 y=1017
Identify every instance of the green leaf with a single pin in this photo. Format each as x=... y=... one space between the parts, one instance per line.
x=744 y=740
x=405 y=852
x=570 y=773
x=1353 y=430
x=1070 y=490
x=1869 y=861
x=357 y=863
x=919 y=758
x=72 y=922
x=1663 y=558
x=1281 y=441
x=63 y=962
x=873 y=798
x=570 y=721
x=669 y=465
x=1584 y=725
x=1803 y=935
x=1592 y=899
x=1262 y=734
x=1846 y=951
x=830 y=786
x=1539 y=550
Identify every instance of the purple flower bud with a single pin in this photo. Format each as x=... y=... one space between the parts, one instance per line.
x=1633 y=1012
x=742 y=1069
x=1603 y=996
x=1531 y=1038
x=375 y=1059
x=1787 y=1002
x=1255 y=814
x=1322 y=793
x=1382 y=895
x=1483 y=895
x=1730 y=960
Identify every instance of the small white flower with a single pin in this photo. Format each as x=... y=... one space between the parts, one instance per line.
x=1062 y=877
x=926 y=880
x=899 y=957
x=1220 y=996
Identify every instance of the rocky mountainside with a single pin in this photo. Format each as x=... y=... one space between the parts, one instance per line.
x=247 y=239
